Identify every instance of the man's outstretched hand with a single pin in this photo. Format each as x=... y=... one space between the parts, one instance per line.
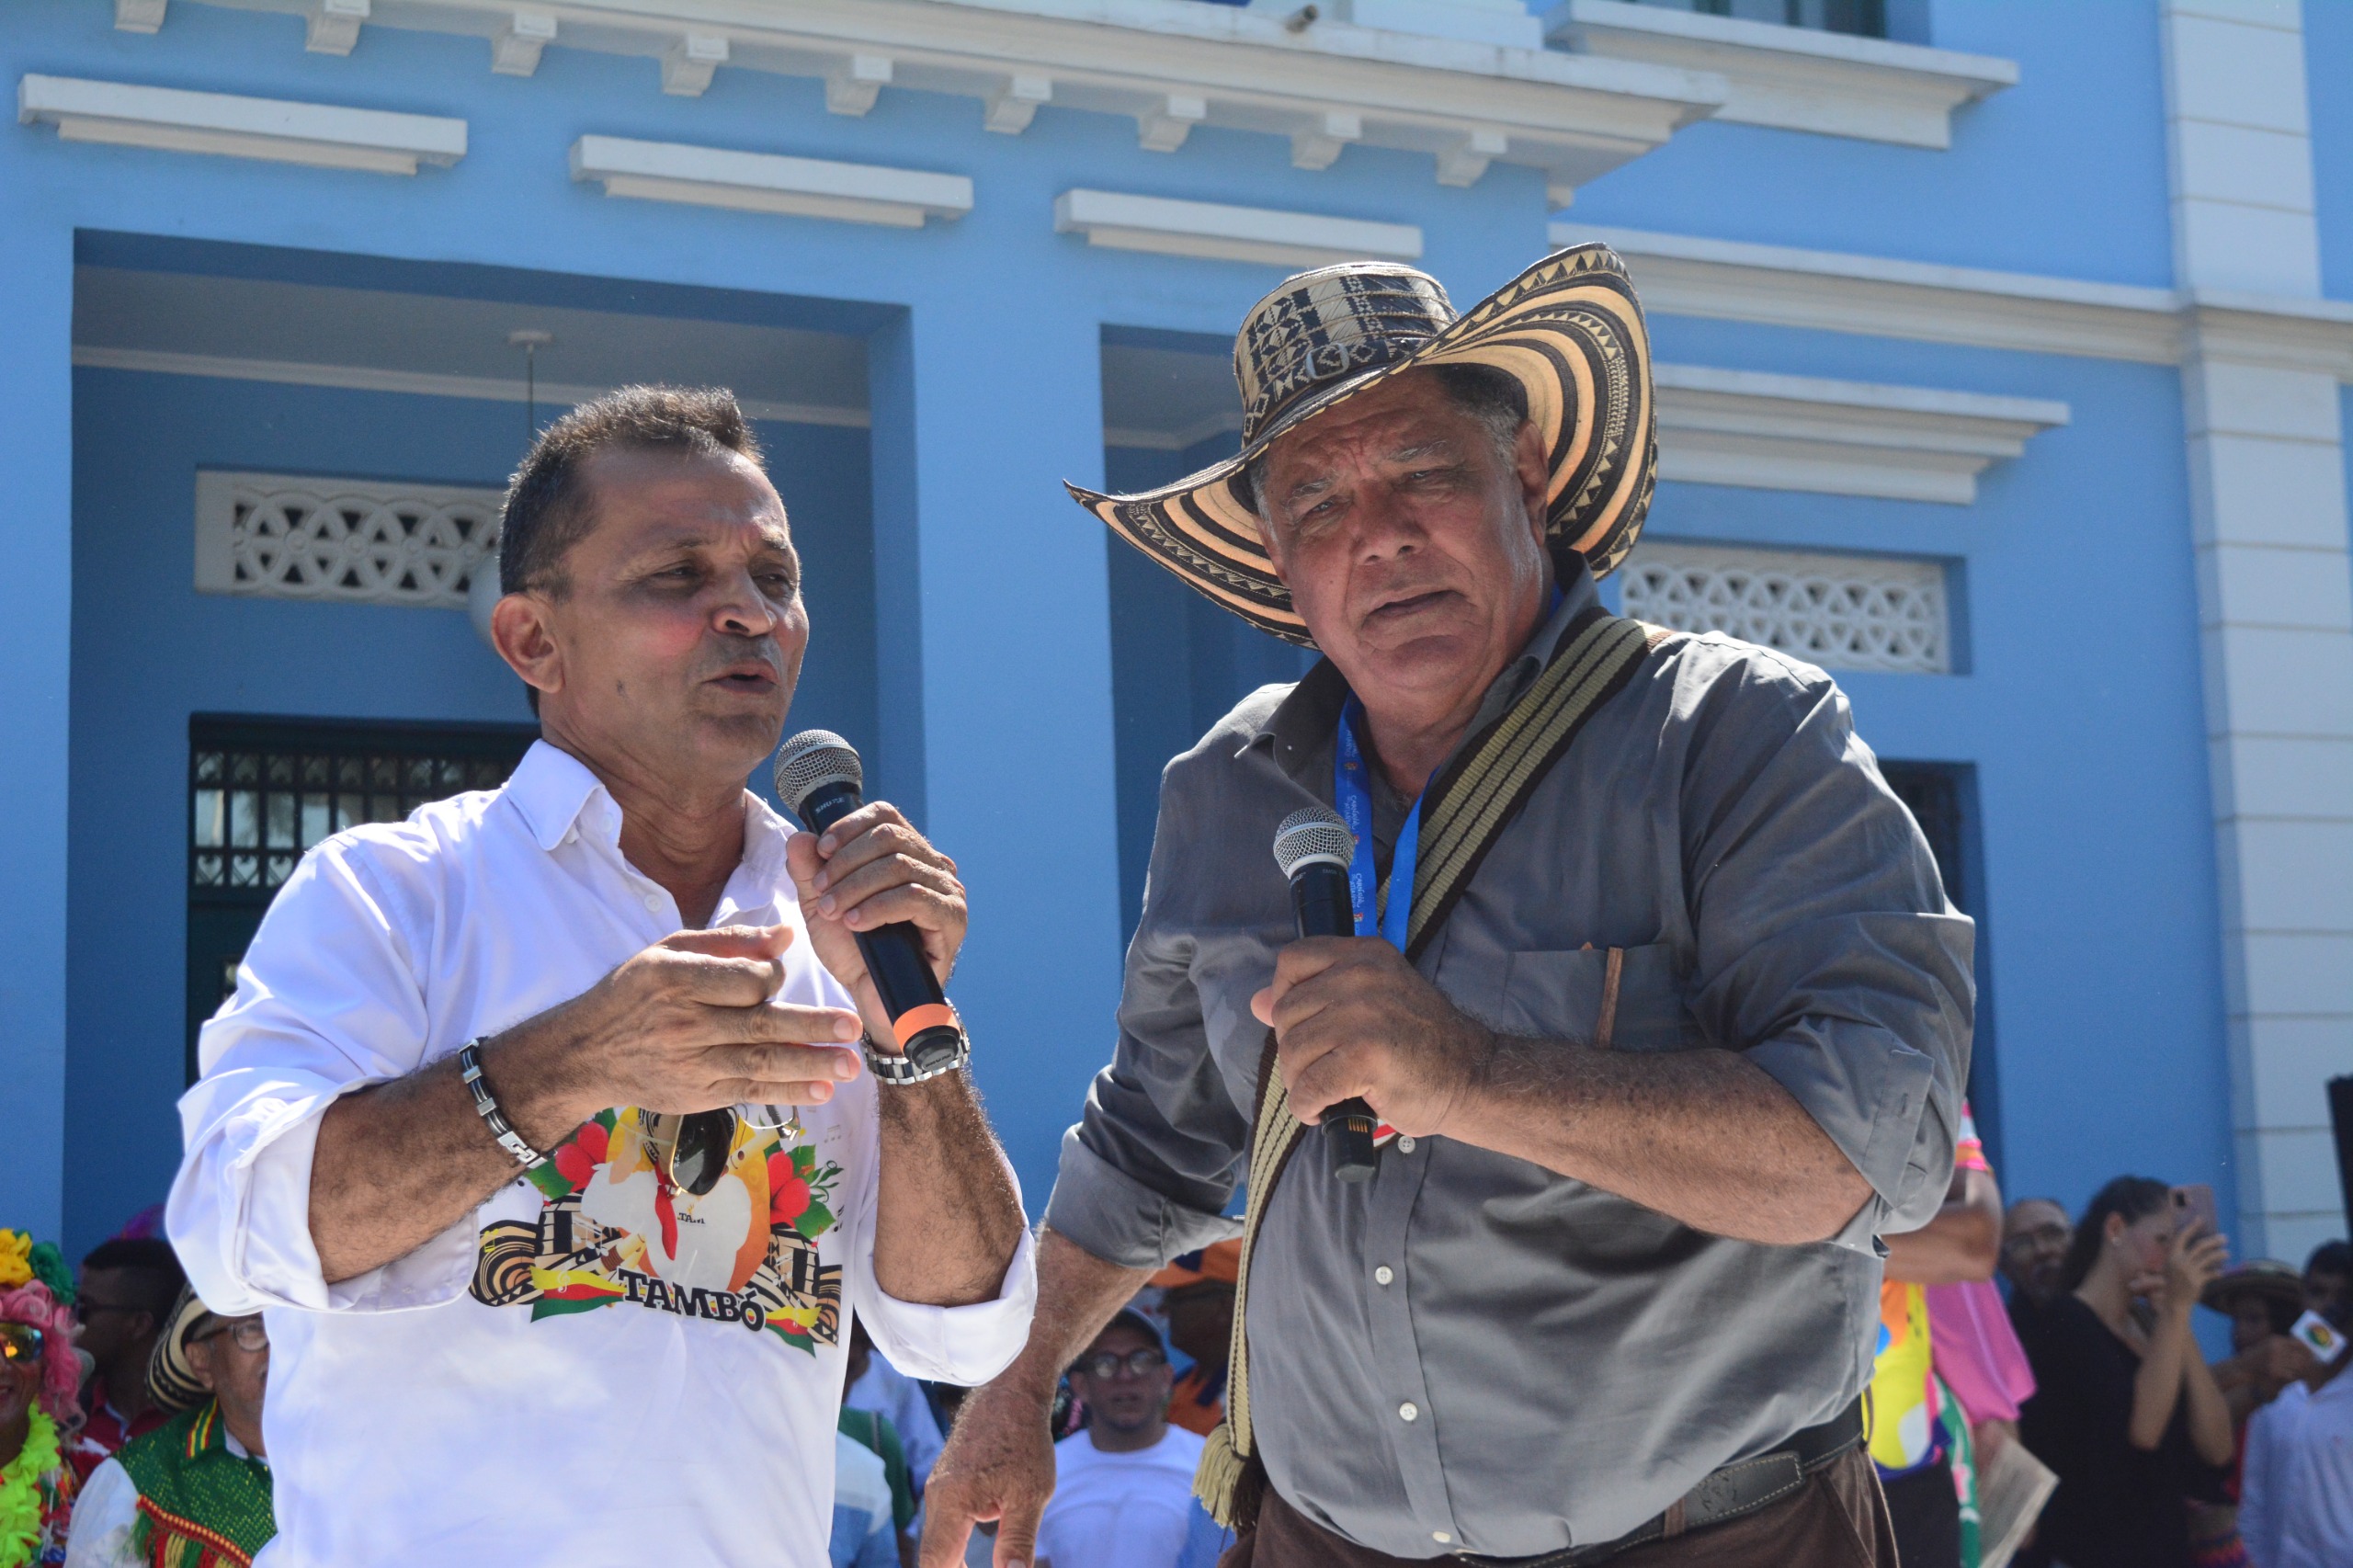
x=999 y=1464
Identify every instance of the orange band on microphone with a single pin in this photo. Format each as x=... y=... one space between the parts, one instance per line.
x=931 y=1014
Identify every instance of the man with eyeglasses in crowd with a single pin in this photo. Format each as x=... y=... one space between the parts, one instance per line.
x=1123 y=1485
x=197 y=1483
x=498 y=1132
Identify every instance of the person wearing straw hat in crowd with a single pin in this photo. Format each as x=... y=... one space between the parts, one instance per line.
x=1663 y=1016
x=195 y=1492
x=39 y=1410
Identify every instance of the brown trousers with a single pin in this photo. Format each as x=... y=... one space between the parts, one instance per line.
x=1838 y=1521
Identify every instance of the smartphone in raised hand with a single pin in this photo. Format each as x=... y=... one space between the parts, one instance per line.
x=2194 y=1205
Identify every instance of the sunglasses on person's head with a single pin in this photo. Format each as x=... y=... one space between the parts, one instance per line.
x=20 y=1344
x=247 y=1334
x=1107 y=1366
x=699 y=1155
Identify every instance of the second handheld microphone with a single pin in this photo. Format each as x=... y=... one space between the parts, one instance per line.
x=1313 y=846
x=819 y=777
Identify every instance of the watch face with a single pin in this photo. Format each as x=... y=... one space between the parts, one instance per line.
x=935 y=1052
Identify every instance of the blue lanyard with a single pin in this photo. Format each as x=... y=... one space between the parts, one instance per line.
x=1352 y=793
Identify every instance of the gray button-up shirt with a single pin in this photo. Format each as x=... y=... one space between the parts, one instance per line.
x=1469 y=1352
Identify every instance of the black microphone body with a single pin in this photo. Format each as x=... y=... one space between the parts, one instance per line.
x=1320 y=903
x=920 y=1014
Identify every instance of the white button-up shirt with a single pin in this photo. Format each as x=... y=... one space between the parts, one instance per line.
x=2296 y=1488
x=593 y=1367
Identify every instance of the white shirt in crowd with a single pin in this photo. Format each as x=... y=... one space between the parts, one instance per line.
x=1131 y=1510
x=593 y=1367
x=2296 y=1489
x=106 y=1515
x=863 y=1535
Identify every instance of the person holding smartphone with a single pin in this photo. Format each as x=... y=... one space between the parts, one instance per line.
x=2126 y=1410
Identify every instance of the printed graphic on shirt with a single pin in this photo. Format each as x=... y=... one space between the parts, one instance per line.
x=615 y=1230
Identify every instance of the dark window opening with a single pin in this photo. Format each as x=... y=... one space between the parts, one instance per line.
x=1864 y=18
x=261 y=791
x=1942 y=798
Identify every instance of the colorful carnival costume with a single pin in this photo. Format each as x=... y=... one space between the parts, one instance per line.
x=187 y=1494
x=36 y=1483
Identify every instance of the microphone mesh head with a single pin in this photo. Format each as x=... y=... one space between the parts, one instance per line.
x=811 y=758
x=1310 y=834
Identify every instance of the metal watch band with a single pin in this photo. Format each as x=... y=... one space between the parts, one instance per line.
x=899 y=1071
x=487 y=1106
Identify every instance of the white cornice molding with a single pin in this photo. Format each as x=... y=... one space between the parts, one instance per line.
x=765 y=182
x=1263 y=235
x=1576 y=117
x=1831 y=437
x=1794 y=78
x=1685 y=275
x=276 y=129
x=416 y=383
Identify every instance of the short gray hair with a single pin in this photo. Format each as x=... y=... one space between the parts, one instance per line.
x=1496 y=399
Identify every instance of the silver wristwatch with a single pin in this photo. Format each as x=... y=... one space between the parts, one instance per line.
x=930 y=1058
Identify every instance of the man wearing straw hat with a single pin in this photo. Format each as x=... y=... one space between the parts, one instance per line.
x=195 y=1492
x=1655 y=993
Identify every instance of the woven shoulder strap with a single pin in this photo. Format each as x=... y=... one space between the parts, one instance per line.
x=1465 y=810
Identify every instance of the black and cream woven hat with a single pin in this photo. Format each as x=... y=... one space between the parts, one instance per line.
x=1568 y=329
x=170 y=1379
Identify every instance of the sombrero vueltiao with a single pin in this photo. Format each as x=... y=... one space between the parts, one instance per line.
x=171 y=1381
x=1568 y=330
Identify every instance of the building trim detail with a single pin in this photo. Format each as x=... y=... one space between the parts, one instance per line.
x=345 y=540
x=1794 y=78
x=1841 y=611
x=1214 y=231
x=1830 y=437
x=768 y=182
x=1687 y=275
x=274 y=130
x=1574 y=117
x=416 y=383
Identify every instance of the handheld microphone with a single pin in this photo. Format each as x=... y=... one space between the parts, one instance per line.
x=818 y=776
x=1313 y=846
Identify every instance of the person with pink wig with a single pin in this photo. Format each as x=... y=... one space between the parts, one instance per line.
x=38 y=1412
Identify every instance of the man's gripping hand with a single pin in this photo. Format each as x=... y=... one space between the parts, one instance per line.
x=873 y=868
x=690 y=1024
x=999 y=1464
x=1352 y=1017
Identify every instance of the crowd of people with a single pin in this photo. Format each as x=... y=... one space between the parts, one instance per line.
x=131 y=1417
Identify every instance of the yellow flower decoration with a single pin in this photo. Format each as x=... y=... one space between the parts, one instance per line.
x=16 y=1258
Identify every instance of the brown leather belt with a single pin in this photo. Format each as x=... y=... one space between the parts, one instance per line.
x=1722 y=1496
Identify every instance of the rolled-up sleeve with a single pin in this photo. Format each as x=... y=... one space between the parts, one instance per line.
x=327 y=1001
x=1826 y=948
x=1148 y=1171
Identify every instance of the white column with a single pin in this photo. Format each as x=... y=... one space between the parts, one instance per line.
x=2267 y=497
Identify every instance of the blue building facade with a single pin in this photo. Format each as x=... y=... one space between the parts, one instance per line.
x=2004 y=357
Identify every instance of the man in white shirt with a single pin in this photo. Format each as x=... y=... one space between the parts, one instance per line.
x=1124 y=1487
x=2296 y=1485
x=578 y=1295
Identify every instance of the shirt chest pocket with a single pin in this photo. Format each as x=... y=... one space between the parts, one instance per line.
x=1572 y=993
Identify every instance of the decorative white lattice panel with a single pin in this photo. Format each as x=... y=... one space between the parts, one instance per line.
x=1843 y=613
x=353 y=540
